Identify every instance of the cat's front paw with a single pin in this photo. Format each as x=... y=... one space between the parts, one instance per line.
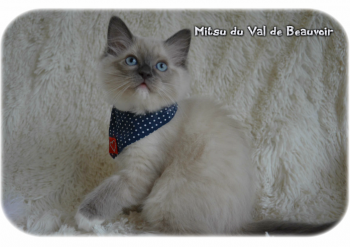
x=86 y=223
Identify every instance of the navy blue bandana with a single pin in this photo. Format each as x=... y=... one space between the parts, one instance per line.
x=126 y=128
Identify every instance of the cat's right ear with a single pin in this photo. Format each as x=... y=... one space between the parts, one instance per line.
x=119 y=37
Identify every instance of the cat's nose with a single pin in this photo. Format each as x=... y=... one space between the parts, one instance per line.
x=145 y=75
x=145 y=71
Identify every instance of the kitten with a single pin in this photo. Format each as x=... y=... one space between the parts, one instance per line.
x=192 y=174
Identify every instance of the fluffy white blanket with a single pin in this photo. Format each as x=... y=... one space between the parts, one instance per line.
x=290 y=91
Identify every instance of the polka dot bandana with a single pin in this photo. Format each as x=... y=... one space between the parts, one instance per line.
x=126 y=128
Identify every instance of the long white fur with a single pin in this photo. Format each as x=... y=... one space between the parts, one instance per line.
x=289 y=91
x=193 y=175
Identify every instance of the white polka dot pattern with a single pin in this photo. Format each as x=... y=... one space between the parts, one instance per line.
x=127 y=128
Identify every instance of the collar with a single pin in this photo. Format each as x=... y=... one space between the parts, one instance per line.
x=126 y=127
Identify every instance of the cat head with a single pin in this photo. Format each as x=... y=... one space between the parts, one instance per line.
x=144 y=74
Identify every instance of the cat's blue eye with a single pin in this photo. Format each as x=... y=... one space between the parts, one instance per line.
x=131 y=61
x=161 y=66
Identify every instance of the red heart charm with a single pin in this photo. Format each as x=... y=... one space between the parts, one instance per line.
x=113 y=149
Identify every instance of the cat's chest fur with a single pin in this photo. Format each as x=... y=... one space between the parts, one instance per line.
x=200 y=139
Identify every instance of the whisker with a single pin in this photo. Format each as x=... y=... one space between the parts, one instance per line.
x=167 y=94
x=120 y=86
x=121 y=93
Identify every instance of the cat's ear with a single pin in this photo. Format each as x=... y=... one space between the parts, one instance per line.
x=119 y=37
x=178 y=45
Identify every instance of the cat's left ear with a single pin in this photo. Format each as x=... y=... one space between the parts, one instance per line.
x=179 y=45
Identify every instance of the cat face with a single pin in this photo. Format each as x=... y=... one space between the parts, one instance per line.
x=143 y=74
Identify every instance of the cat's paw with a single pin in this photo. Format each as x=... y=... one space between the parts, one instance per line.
x=85 y=223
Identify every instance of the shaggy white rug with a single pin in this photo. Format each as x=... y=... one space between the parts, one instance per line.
x=290 y=91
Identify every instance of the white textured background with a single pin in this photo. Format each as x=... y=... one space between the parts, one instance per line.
x=291 y=91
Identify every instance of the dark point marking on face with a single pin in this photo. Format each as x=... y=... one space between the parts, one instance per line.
x=145 y=71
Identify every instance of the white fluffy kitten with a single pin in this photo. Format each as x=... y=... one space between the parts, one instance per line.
x=192 y=175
